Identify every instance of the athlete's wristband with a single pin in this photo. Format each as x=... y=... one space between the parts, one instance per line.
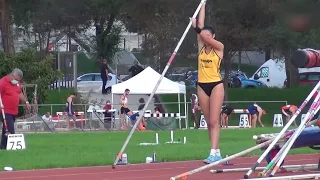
x=198 y=30
x=27 y=102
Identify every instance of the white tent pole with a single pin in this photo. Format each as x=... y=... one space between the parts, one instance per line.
x=112 y=100
x=185 y=109
x=179 y=105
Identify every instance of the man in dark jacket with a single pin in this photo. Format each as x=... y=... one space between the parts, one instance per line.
x=104 y=74
x=135 y=69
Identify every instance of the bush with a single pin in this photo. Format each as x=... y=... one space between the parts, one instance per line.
x=35 y=71
x=291 y=95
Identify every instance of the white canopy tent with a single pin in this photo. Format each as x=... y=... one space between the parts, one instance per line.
x=145 y=82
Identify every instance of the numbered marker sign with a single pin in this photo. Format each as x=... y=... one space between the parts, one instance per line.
x=244 y=120
x=16 y=142
x=277 y=120
x=203 y=123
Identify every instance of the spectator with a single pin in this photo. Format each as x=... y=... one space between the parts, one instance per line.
x=107 y=115
x=47 y=117
x=107 y=106
x=11 y=95
x=142 y=103
x=135 y=69
x=157 y=110
x=104 y=74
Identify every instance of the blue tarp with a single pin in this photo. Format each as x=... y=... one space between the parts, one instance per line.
x=310 y=136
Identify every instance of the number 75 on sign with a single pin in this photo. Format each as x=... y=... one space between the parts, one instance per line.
x=16 y=142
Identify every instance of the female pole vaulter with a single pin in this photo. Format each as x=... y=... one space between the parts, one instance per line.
x=210 y=88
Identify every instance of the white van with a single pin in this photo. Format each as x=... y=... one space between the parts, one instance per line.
x=273 y=73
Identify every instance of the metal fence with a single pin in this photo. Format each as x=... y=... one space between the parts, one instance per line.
x=86 y=119
x=91 y=121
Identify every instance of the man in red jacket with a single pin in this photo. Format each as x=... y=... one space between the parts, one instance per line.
x=11 y=95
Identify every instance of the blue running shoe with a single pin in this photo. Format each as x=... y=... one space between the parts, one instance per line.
x=212 y=159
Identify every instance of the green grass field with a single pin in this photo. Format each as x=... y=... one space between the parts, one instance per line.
x=100 y=148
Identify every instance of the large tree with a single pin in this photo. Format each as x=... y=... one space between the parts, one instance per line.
x=160 y=22
x=42 y=20
x=35 y=70
x=104 y=14
x=46 y=19
x=282 y=38
x=6 y=30
x=238 y=24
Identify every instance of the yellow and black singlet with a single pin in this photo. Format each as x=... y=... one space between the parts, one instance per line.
x=208 y=66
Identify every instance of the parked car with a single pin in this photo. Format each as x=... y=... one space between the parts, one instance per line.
x=238 y=79
x=192 y=78
x=273 y=73
x=251 y=83
x=88 y=81
x=307 y=78
x=177 y=77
